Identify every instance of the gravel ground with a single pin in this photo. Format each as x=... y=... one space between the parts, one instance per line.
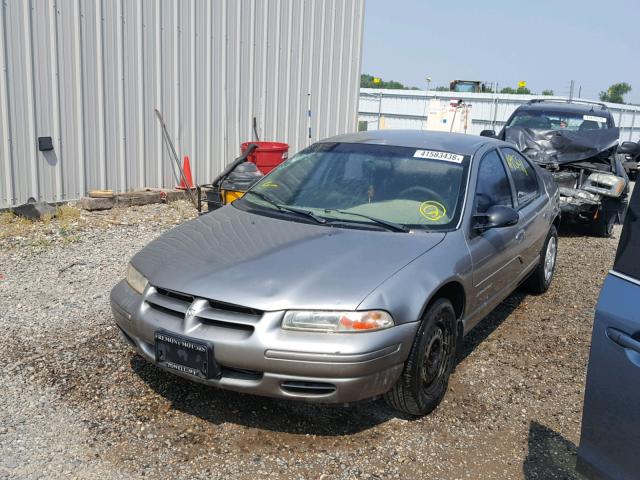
x=78 y=403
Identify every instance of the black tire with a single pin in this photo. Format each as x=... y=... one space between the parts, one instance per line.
x=539 y=281
x=603 y=226
x=425 y=377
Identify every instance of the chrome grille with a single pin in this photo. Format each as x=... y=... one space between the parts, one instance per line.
x=217 y=314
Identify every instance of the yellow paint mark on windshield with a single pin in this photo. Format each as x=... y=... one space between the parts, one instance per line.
x=432 y=210
x=269 y=184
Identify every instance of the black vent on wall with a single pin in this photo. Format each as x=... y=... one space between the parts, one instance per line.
x=45 y=144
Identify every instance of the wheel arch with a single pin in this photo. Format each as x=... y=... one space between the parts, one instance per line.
x=452 y=291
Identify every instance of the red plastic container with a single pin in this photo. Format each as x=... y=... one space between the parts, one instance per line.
x=268 y=155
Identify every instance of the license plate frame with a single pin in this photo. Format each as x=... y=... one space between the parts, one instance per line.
x=185 y=355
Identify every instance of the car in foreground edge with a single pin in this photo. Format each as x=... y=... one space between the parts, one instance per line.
x=611 y=418
x=352 y=270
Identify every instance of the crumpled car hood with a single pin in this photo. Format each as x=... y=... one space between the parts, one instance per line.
x=266 y=263
x=561 y=146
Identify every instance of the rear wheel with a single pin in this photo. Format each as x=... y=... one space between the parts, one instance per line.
x=540 y=279
x=425 y=377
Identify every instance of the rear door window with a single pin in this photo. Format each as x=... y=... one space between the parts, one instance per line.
x=523 y=174
x=493 y=187
x=628 y=257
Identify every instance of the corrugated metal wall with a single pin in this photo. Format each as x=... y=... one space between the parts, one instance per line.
x=408 y=108
x=89 y=73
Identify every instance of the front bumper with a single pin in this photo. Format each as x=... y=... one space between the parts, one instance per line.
x=578 y=212
x=257 y=356
x=578 y=206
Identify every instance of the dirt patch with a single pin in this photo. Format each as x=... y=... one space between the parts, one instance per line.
x=513 y=408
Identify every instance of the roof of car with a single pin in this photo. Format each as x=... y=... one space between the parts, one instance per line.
x=442 y=141
x=564 y=107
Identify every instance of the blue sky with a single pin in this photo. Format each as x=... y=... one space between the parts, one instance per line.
x=547 y=43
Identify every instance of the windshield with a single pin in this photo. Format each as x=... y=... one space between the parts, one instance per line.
x=344 y=183
x=549 y=120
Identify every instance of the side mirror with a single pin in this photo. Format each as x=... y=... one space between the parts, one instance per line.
x=488 y=133
x=629 y=148
x=496 y=217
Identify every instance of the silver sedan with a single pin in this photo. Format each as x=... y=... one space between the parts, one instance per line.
x=353 y=270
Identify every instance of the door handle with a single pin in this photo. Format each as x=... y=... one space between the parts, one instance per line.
x=624 y=340
x=520 y=236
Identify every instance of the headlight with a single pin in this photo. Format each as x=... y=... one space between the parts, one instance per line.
x=135 y=279
x=314 y=321
x=606 y=184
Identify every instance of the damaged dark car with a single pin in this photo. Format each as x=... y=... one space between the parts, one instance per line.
x=577 y=143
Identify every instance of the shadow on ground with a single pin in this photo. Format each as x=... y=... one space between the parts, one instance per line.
x=575 y=230
x=489 y=324
x=222 y=406
x=551 y=456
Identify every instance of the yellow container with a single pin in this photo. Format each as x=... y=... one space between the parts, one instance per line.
x=229 y=196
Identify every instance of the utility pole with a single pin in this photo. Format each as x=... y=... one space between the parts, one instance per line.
x=571 y=90
x=426 y=103
x=495 y=108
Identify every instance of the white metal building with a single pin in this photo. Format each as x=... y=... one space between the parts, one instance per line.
x=408 y=109
x=89 y=73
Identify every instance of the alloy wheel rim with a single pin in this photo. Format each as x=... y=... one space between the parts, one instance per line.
x=550 y=258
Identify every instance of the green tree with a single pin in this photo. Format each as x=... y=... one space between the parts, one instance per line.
x=616 y=93
x=519 y=90
x=442 y=89
x=548 y=92
x=366 y=81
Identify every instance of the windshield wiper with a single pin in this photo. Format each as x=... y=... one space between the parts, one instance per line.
x=394 y=227
x=286 y=208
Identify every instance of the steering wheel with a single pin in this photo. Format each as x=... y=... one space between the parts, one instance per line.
x=424 y=193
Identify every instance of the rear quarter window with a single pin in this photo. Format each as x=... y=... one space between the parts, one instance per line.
x=523 y=174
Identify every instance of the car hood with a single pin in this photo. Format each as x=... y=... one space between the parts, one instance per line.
x=561 y=146
x=266 y=263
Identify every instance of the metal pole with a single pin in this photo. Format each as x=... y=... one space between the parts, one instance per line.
x=495 y=108
x=633 y=124
x=571 y=91
x=309 y=118
x=379 y=108
x=176 y=159
x=426 y=103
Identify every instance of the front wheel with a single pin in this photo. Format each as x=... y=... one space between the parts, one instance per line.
x=603 y=226
x=425 y=377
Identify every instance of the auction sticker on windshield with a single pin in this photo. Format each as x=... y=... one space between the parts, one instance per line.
x=433 y=155
x=593 y=118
